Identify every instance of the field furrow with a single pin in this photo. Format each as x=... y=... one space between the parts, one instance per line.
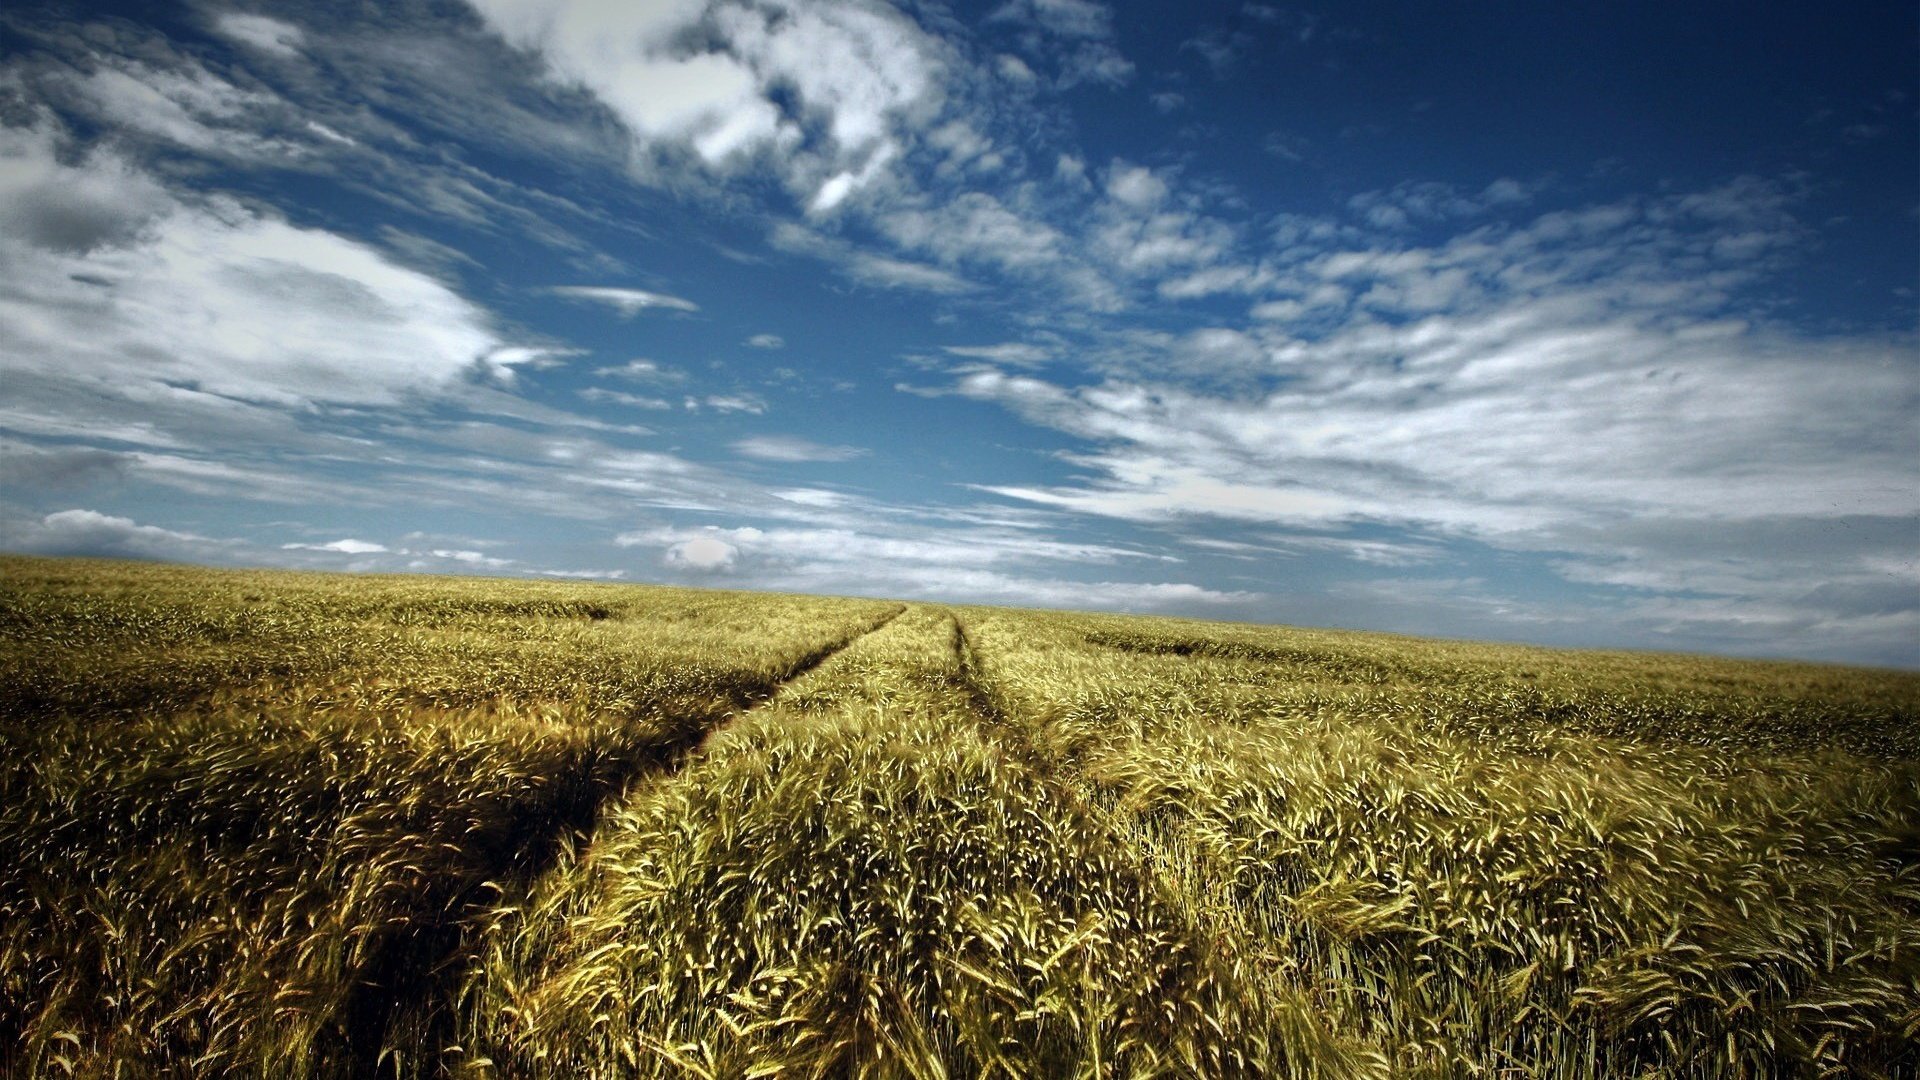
x=253 y=874
x=409 y=1014
x=861 y=879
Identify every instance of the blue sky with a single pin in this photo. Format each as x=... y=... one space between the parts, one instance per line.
x=1587 y=327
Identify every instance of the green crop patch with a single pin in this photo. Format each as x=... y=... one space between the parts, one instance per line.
x=278 y=824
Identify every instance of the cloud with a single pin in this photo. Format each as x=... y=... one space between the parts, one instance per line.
x=346 y=546
x=1539 y=388
x=468 y=557
x=149 y=293
x=1076 y=35
x=953 y=564
x=89 y=532
x=728 y=403
x=26 y=467
x=1013 y=353
x=1373 y=552
x=640 y=370
x=159 y=95
x=788 y=448
x=976 y=230
x=816 y=497
x=826 y=93
x=1220 y=47
x=629 y=302
x=1427 y=202
x=269 y=35
x=767 y=341
x=602 y=396
x=349 y=104
x=706 y=553
x=1014 y=70
x=104 y=202
x=92 y=533
x=900 y=545
x=867 y=267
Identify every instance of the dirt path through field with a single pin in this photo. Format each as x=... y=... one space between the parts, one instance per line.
x=410 y=984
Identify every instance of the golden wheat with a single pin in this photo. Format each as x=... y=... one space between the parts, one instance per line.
x=280 y=824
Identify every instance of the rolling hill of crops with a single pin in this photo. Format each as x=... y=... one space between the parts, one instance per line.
x=279 y=824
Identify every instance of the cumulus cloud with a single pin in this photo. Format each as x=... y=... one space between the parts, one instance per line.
x=89 y=532
x=767 y=341
x=707 y=553
x=144 y=292
x=827 y=92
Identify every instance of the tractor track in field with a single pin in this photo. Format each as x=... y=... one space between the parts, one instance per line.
x=412 y=978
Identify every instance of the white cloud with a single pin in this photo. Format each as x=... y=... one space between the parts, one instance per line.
x=348 y=546
x=1538 y=388
x=1136 y=187
x=184 y=104
x=1014 y=353
x=1014 y=70
x=1067 y=18
x=939 y=563
x=72 y=210
x=979 y=230
x=89 y=532
x=467 y=557
x=864 y=266
x=640 y=371
x=729 y=403
x=147 y=293
x=1077 y=35
x=602 y=396
x=628 y=302
x=767 y=341
x=868 y=546
x=1374 y=552
x=261 y=32
x=816 y=497
x=702 y=553
x=789 y=448
x=828 y=91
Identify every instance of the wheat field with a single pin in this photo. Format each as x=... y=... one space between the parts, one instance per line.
x=276 y=824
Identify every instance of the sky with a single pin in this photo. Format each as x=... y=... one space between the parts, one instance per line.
x=1586 y=325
